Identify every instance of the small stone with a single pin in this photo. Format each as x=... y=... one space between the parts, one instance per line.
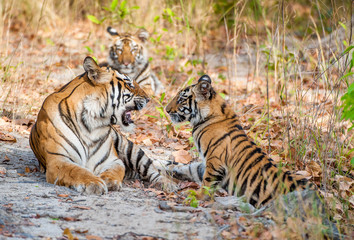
x=12 y=173
x=2 y=170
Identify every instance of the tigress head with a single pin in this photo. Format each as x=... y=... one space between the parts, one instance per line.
x=113 y=96
x=127 y=51
x=193 y=103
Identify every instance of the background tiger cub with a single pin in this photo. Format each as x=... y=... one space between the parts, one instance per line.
x=231 y=159
x=128 y=55
x=74 y=141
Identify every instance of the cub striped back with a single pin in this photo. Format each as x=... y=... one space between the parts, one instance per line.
x=230 y=159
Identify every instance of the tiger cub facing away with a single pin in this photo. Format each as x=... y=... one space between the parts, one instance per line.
x=231 y=159
x=129 y=55
x=73 y=138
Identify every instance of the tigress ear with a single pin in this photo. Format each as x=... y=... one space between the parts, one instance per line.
x=203 y=89
x=112 y=31
x=142 y=34
x=94 y=72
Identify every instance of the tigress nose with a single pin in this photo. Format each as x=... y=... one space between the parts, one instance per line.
x=126 y=63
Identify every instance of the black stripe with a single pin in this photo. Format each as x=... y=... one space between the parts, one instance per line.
x=138 y=158
x=267 y=199
x=143 y=80
x=152 y=180
x=253 y=202
x=238 y=144
x=147 y=166
x=254 y=163
x=219 y=140
x=103 y=159
x=100 y=140
x=59 y=154
x=243 y=187
x=129 y=154
x=257 y=190
x=200 y=171
x=145 y=67
x=238 y=135
x=62 y=136
x=223 y=106
x=249 y=155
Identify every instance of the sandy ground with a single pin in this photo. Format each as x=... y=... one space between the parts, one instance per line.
x=32 y=208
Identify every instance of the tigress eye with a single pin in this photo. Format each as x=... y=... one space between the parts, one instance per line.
x=134 y=50
x=119 y=51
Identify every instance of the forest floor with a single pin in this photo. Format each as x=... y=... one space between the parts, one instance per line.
x=32 y=208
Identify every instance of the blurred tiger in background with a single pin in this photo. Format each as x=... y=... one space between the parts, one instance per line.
x=230 y=159
x=73 y=138
x=128 y=55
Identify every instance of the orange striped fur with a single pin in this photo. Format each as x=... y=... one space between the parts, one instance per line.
x=230 y=159
x=73 y=138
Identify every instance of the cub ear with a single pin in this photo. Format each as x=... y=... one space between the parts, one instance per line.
x=112 y=31
x=205 y=78
x=92 y=69
x=142 y=34
x=203 y=89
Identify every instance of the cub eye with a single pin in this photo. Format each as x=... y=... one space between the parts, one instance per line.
x=180 y=100
x=129 y=83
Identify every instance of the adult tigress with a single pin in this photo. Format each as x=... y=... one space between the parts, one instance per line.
x=231 y=159
x=73 y=138
x=128 y=55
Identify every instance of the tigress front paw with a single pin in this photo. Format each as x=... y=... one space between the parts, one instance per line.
x=113 y=178
x=92 y=186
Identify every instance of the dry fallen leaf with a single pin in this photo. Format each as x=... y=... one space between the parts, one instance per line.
x=7 y=137
x=314 y=168
x=81 y=207
x=6 y=159
x=70 y=219
x=184 y=185
x=182 y=156
x=305 y=174
x=345 y=183
x=63 y=195
x=147 y=142
x=92 y=237
x=177 y=146
x=23 y=121
x=68 y=234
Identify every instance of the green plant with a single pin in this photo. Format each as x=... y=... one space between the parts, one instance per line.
x=114 y=13
x=191 y=199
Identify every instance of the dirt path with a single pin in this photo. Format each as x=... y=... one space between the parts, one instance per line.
x=32 y=208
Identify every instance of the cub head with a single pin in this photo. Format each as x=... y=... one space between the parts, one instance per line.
x=112 y=96
x=193 y=103
x=127 y=51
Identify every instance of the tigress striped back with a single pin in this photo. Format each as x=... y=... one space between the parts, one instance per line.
x=231 y=159
x=73 y=138
x=128 y=55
